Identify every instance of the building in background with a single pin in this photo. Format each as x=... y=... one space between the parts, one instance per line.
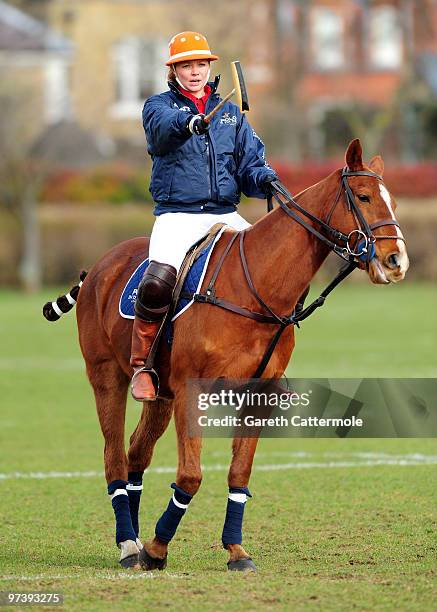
x=35 y=64
x=319 y=72
x=120 y=48
x=346 y=68
x=117 y=61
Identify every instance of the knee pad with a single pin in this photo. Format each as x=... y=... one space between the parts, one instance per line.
x=155 y=291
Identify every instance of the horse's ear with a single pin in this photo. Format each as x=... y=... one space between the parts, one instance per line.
x=377 y=165
x=354 y=156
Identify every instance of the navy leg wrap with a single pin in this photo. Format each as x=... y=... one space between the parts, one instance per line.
x=134 y=489
x=233 y=527
x=120 y=503
x=169 y=521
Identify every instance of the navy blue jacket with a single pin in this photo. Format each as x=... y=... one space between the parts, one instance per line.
x=204 y=173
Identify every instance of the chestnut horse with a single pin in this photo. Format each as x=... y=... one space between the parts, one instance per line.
x=209 y=342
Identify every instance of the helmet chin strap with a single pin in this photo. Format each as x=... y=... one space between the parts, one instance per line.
x=180 y=84
x=177 y=80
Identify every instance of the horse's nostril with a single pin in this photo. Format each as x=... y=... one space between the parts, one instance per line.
x=392 y=260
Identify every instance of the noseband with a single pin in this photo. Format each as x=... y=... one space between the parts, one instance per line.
x=359 y=244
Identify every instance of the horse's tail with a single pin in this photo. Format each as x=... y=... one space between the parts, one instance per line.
x=54 y=310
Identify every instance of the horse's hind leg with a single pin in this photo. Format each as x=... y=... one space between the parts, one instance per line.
x=110 y=385
x=154 y=421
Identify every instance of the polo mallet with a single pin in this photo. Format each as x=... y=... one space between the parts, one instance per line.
x=239 y=89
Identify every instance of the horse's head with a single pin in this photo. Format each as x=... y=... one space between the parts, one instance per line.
x=369 y=207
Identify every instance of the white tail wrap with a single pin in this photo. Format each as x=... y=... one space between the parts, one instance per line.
x=57 y=309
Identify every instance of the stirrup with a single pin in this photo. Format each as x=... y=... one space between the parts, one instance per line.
x=155 y=381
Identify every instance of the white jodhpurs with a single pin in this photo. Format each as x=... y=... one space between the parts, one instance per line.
x=174 y=233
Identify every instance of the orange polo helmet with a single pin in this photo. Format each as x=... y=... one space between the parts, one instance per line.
x=189 y=46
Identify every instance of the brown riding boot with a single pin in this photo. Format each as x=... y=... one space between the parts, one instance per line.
x=143 y=334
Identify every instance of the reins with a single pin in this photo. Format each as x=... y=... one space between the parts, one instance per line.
x=352 y=257
x=364 y=253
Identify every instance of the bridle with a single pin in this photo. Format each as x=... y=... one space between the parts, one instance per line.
x=360 y=252
x=360 y=242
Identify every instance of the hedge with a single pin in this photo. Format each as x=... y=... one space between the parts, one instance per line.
x=75 y=237
x=120 y=184
x=407 y=181
x=114 y=185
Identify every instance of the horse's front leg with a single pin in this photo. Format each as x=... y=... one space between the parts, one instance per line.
x=243 y=451
x=188 y=479
x=154 y=420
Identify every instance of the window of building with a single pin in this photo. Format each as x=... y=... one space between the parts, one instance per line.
x=285 y=16
x=139 y=72
x=327 y=38
x=57 y=91
x=385 y=38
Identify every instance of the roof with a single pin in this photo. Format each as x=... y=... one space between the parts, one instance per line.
x=21 y=32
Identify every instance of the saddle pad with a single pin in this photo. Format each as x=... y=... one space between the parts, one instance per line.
x=192 y=284
x=129 y=295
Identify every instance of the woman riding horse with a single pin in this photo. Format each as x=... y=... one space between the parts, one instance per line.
x=350 y=212
x=199 y=171
x=351 y=205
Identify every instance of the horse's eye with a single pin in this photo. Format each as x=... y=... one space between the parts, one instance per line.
x=363 y=198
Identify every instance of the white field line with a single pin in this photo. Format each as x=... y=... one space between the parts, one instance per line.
x=105 y=576
x=357 y=454
x=362 y=461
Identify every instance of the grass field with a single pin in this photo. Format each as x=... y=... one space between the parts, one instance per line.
x=333 y=524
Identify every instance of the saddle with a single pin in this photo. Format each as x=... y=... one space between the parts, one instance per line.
x=191 y=257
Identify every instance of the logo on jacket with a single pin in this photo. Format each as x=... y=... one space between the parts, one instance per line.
x=228 y=120
x=182 y=108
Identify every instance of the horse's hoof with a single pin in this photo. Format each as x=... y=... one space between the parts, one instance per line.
x=242 y=565
x=129 y=557
x=131 y=562
x=150 y=563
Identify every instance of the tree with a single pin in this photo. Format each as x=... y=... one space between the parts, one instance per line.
x=21 y=177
